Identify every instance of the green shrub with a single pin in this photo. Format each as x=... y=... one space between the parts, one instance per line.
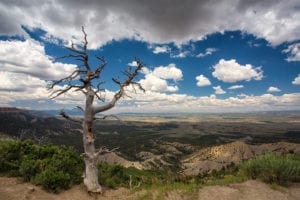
x=29 y=168
x=112 y=176
x=10 y=156
x=53 y=180
x=116 y=176
x=273 y=168
x=52 y=167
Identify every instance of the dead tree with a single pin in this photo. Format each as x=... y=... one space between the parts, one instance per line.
x=83 y=79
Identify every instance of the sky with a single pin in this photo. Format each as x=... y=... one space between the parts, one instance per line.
x=199 y=56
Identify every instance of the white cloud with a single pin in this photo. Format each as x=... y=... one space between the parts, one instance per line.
x=207 y=52
x=18 y=82
x=297 y=80
x=18 y=89
x=273 y=89
x=276 y=21
x=29 y=57
x=145 y=70
x=21 y=87
x=162 y=102
x=150 y=101
x=230 y=71
x=202 y=81
x=293 y=52
x=154 y=83
x=219 y=90
x=168 y=72
x=234 y=87
x=157 y=80
x=161 y=49
x=181 y=54
x=24 y=70
x=133 y=64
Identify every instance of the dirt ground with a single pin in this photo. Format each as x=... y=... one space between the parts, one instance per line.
x=13 y=189
x=249 y=190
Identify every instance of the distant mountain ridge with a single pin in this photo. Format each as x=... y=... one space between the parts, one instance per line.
x=30 y=124
x=75 y=111
x=33 y=113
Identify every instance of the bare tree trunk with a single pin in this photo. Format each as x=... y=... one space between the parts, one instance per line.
x=86 y=75
x=91 y=176
x=91 y=157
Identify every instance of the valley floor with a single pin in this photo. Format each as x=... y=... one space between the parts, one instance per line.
x=13 y=189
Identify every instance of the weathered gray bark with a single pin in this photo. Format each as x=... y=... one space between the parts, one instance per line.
x=90 y=178
x=86 y=75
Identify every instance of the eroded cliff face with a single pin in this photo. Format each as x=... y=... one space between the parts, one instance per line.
x=215 y=158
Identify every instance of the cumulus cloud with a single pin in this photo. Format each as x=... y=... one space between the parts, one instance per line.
x=154 y=83
x=273 y=89
x=230 y=71
x=158 y=79
x=219 y=90
x=29 y=57
x=24 y=69
x=19 y=86
x=152 y=101
x=234 y=87
x=153 y=21
x=207 y=52
x=133 y=64
x=161 y=49
x=18 y=89
x=161 y=102
x=293 y=52
x=18 y=82
x=168 y=72
x=158 y=22
x=202 y=81
x=297 y=80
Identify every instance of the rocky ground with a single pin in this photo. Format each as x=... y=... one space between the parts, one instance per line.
x=13 y=189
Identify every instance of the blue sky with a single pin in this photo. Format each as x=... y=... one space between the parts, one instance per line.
x=233 y=56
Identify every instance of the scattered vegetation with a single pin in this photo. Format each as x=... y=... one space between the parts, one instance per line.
x=225 y=176
x=58 y=167
x=273 y=168
x=52 y=167
x=116 y=176
x=182 y=190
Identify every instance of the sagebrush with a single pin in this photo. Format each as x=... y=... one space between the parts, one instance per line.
x=273 y=168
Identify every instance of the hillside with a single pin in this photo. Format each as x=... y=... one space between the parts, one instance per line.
x=217 y=157
x=201 y=161
x=30 y=124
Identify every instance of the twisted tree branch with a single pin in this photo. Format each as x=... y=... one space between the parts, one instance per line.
x=74 y=119
x=104 y=150
x=131 y=75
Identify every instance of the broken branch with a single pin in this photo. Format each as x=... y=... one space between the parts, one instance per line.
x=74 y=119
x=104 y=150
